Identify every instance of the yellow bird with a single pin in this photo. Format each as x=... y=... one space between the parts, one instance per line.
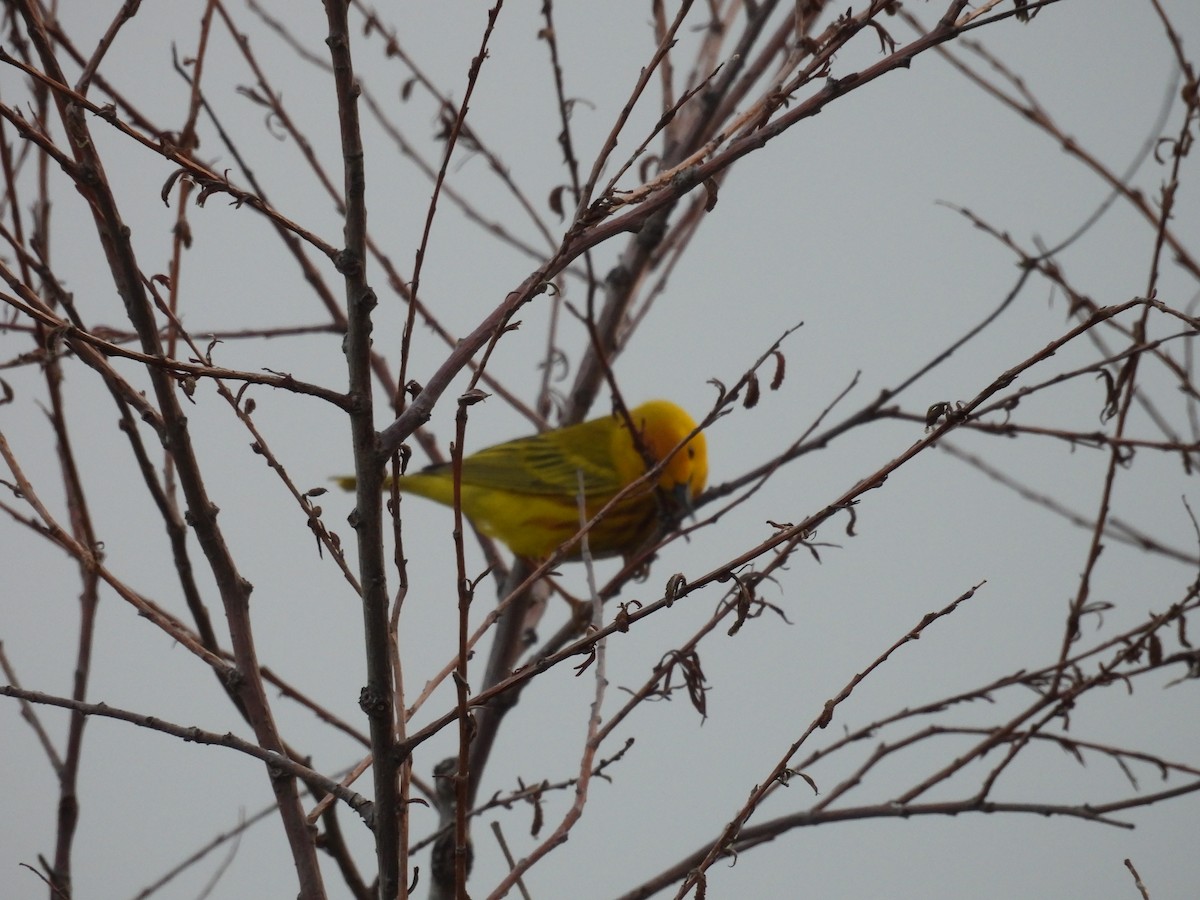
x=525 y=492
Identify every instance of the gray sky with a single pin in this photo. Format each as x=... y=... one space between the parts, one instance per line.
x=836 y=224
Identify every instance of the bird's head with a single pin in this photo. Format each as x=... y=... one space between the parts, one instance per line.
x=662 y=426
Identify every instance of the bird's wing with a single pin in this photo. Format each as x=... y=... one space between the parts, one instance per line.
x=549 y=463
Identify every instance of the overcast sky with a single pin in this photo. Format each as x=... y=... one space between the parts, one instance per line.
x=836 y=224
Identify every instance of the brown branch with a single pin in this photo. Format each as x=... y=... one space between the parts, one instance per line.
x=29 y=714
x=115 y=239
x=191 y=734
x=377 y=696
x=209 y=181
x=757 y=834
x=28 y=305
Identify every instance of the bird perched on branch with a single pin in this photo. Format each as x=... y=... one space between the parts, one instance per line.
x=525 y=493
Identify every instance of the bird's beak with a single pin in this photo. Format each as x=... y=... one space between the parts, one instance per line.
x=682 y=495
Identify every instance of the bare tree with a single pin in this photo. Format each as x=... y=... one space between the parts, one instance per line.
x=272 y=231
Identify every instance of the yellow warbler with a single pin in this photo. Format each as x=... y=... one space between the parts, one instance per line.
x=525 y=492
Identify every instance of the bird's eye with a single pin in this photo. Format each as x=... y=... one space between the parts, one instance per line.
x=691 y=452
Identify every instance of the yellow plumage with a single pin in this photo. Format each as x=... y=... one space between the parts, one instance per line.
x=525 y=492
